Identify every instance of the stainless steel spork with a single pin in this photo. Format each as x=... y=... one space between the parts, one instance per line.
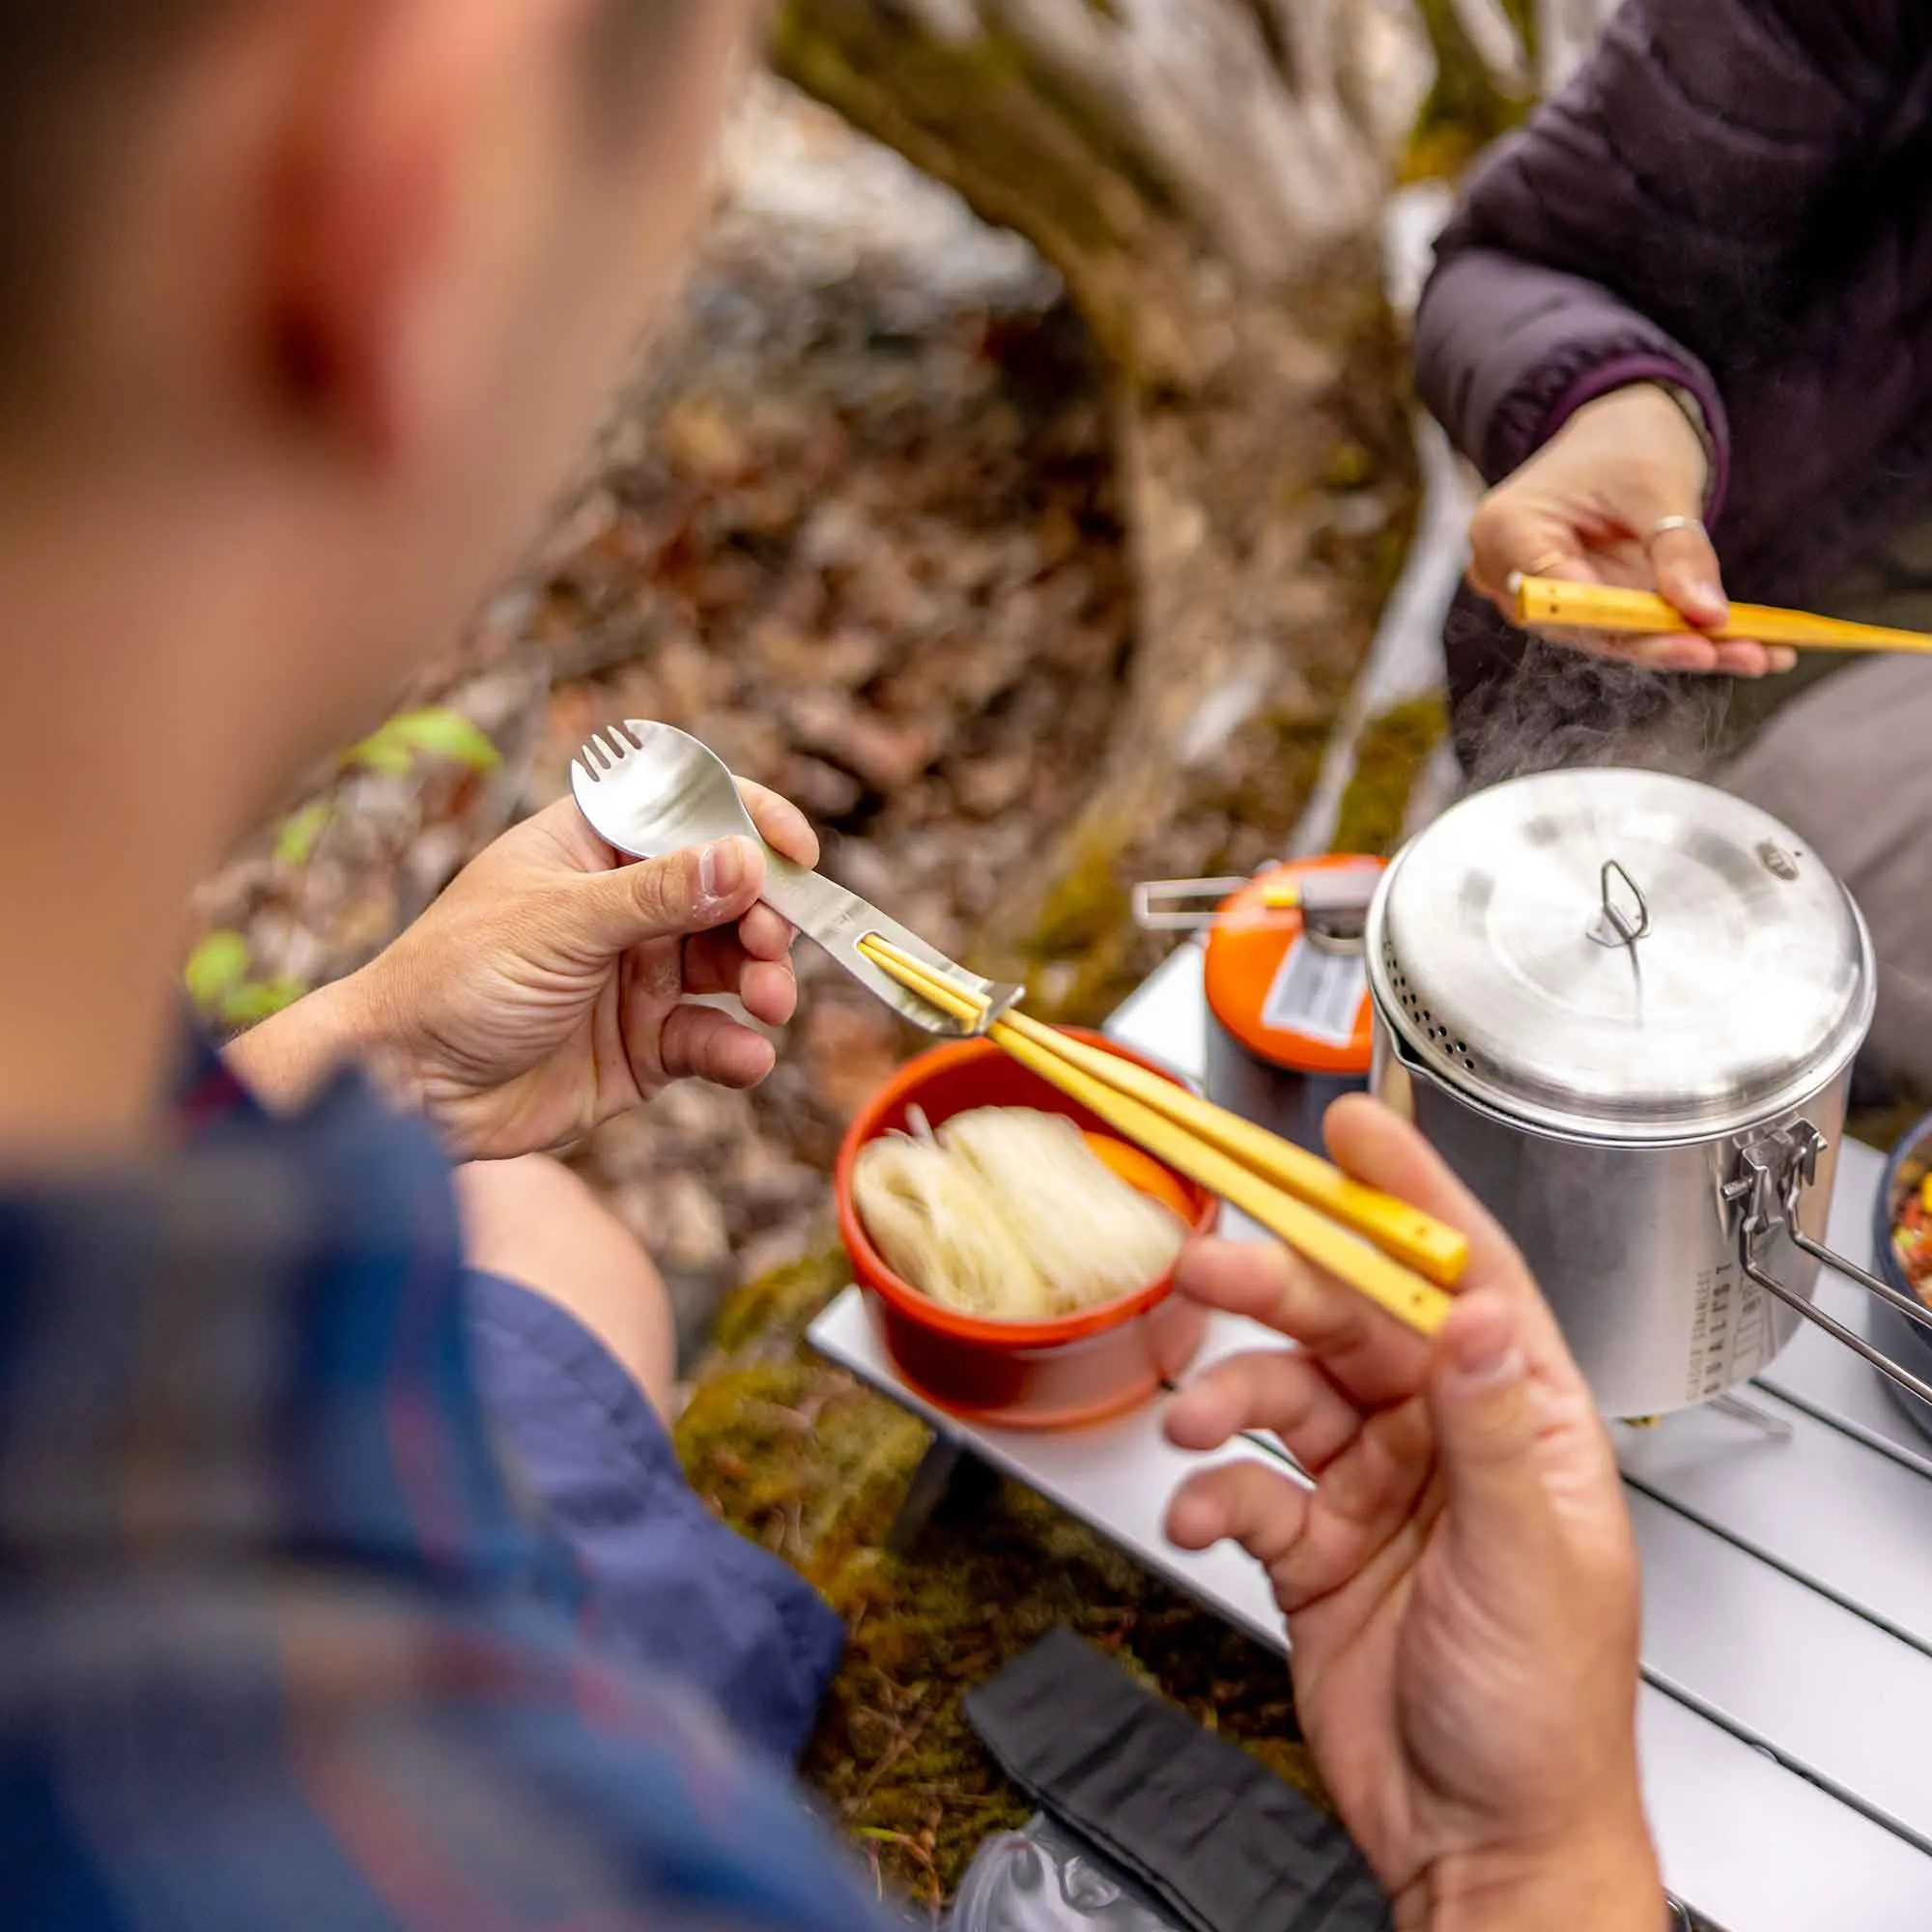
x=650 y=790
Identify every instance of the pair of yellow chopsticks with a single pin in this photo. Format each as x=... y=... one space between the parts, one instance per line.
x=1399 y=1256
x=1547 y=602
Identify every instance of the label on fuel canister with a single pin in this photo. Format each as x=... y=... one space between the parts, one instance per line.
x=1317 y=993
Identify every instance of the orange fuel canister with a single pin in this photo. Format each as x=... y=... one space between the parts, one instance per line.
x=1289 y=1023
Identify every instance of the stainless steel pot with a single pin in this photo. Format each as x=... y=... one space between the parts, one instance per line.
x=1624 y=1006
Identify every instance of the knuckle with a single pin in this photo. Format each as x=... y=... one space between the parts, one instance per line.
x=1488 y=523
x=662 y=890
x=677 y=1048
x=1323 y=1314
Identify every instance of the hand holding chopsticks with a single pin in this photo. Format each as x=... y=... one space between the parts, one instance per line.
x=1392 y=1253
x=1545 y=603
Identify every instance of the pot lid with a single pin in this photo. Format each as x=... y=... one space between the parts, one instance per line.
x=1621 y=954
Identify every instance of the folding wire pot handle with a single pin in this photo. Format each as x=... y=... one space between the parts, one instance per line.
x=1773 y=1172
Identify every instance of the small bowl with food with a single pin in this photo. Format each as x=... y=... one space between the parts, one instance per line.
x=1903 y=1237
x=1016 y=1257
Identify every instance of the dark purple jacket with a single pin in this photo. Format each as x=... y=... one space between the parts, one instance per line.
x=1735 y=196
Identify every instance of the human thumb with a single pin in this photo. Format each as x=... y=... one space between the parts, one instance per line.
x=1478 y=1395
x=668 y=898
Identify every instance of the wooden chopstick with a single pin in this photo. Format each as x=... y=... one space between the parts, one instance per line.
x=1387 y=1282
x=953 y=1001
x=1430 y=1246
x=1314 y=1231
x=1546 y=601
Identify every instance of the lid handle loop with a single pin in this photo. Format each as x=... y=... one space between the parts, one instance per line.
x=1617 y=924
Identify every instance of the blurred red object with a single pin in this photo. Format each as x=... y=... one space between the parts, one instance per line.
x=1037 y=1374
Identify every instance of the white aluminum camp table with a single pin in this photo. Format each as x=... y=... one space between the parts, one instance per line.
x=1787 y=1715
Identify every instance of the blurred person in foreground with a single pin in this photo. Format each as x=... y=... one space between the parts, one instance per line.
x=1695 y=296
x=303 y=307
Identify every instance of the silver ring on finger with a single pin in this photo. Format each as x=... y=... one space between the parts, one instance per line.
x=1665 y=525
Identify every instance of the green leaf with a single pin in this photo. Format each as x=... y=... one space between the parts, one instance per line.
x=301 y=834
x=442 y=733
x=261 y=1000
x=436 y=733
x=216 y=967
x=384 y=753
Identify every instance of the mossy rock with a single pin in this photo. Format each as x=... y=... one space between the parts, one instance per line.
x=768 y=1317
x=1086 y=928
x=798 y=1457
x=1390 y=758
x=1467 y=108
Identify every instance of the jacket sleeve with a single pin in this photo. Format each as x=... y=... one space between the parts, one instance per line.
x=671 y=1589
x=1660 y=214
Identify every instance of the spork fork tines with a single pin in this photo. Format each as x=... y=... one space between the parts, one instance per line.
x=649 y=790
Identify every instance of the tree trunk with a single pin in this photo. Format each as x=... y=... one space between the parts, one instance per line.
x=1208 y=178
x=1566 y=34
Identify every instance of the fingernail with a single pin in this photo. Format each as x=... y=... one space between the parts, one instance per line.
x=1783 y=659
x=1486 y=1357
x=721 y=869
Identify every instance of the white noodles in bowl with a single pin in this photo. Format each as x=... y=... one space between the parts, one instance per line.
x=1007 y=1214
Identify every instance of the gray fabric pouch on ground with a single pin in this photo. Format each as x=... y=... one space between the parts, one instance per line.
x=1211 y=1834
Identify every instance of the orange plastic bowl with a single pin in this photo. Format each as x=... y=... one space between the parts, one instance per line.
x=1033 y=1374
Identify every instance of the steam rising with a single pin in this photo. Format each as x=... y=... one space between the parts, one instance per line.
x=1562 y=708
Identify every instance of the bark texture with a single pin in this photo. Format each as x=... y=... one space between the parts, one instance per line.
x=1566 y=30
x=1207 y=177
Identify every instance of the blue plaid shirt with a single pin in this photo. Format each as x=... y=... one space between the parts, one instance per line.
x=279 y=1646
